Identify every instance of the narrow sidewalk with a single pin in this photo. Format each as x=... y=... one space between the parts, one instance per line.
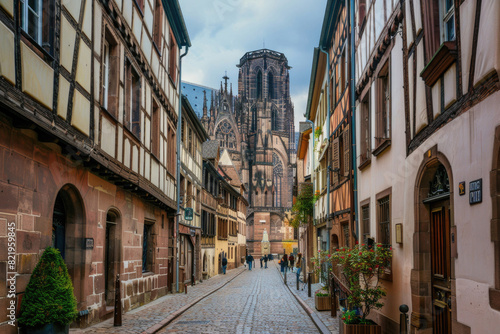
x=323 y=319
x=153 y=316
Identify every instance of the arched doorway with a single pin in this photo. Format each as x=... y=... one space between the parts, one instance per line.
x=68 y=230
x=111 y=255
x=433 y=270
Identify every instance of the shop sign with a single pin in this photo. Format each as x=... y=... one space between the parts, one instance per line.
x=476 y=191
x=89 y=243
x=461 y=188
x=188 y=213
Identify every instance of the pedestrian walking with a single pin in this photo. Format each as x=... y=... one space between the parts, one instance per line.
x=224 y=265
x=285 y=257
x=282 y=264
x=265 y=261
x=250 y=261
x=291 y=259
x=261 y=260
x=298 y=265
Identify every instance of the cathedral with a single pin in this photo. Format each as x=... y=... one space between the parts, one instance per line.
x=256 y=128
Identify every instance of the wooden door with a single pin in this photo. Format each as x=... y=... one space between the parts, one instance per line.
x=441 y=269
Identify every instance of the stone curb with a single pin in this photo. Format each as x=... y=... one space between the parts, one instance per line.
x=310 y=312
x=155 y=328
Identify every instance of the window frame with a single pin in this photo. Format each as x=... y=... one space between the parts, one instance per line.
x=383 y=195
x=365 y=135
x=148 y=247
x=25 y=9
x=446 y=16
x=172 y=59
x=383 y=109
x=132 y=111
x=157 y=25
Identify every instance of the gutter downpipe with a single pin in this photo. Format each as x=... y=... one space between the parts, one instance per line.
x=178 y=173
x=353 y=113
x=328 y=226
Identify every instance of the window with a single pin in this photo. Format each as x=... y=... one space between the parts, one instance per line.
x=383 y=110
x=384 y=225
x=155 y=130
x=110 y=73
x=365 y=141
x=147 y=247
x=171 y=153
x=172 y=56
x=37 y=21
x=105 y=74
x=133 y=100
x=270 y=85
x=259 y=84
x=157 y=25
x=384 y=221
x=448 y=21
x=190 y=141
x=365 y=216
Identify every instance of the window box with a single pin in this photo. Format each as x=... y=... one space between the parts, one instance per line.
x=445 y=56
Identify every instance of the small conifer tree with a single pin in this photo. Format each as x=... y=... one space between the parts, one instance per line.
x=49 y=297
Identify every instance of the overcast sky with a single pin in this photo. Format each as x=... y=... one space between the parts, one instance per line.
x=222 y=31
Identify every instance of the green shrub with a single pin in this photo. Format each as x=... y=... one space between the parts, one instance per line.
x=49 y=295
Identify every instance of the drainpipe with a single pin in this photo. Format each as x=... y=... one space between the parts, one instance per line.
x=328 y=226
x=178 y=173
x=353 y=117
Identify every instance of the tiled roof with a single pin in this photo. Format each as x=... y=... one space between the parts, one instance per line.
x=209 y=149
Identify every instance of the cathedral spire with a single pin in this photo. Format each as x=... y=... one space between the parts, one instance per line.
x=225 y=77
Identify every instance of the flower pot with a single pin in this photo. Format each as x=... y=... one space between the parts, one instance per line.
x=322 y=303
x=361 y=329
x=47 y=329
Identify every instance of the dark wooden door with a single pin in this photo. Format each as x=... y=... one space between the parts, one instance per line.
x=441 y=269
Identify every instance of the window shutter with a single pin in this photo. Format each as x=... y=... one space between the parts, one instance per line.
x=336 y=160
x=378 y=111
x=347 y=147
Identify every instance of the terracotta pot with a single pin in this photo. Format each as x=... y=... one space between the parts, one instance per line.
x=323 y=303
x=361 y=329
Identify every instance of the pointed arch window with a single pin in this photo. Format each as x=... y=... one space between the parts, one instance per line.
x=259 y=84
x=270 y=85
x=277 y=176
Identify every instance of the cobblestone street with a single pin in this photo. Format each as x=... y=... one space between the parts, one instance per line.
x=255 y=302
x=242 y=301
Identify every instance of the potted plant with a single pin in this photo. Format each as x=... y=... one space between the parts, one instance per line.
x=48 y=305
x=362 y=267
x=322 y=298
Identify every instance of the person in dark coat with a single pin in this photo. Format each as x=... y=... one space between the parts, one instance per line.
x=250 y=261
x=291 y=259
x=285 y=257
x=261 y=260
x=224 y=265
x=265 y=261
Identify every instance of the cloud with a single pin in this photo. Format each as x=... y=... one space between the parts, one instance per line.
x=222 y=31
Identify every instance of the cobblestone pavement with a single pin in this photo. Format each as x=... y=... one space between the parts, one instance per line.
x=146 y=317
x=325 y=316
x=256 y=301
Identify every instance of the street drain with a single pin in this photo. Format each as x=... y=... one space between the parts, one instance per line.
x=194 y=322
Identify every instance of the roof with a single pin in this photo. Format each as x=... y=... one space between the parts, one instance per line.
x=210 y=149
x=176 y=21
x=232 y=174
x=315 y=84
x=330 y=20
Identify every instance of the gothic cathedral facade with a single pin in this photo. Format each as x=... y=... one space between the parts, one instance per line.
x=256 y=129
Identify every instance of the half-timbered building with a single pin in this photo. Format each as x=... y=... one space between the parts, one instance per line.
x=89 y=99
x=428 y=125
